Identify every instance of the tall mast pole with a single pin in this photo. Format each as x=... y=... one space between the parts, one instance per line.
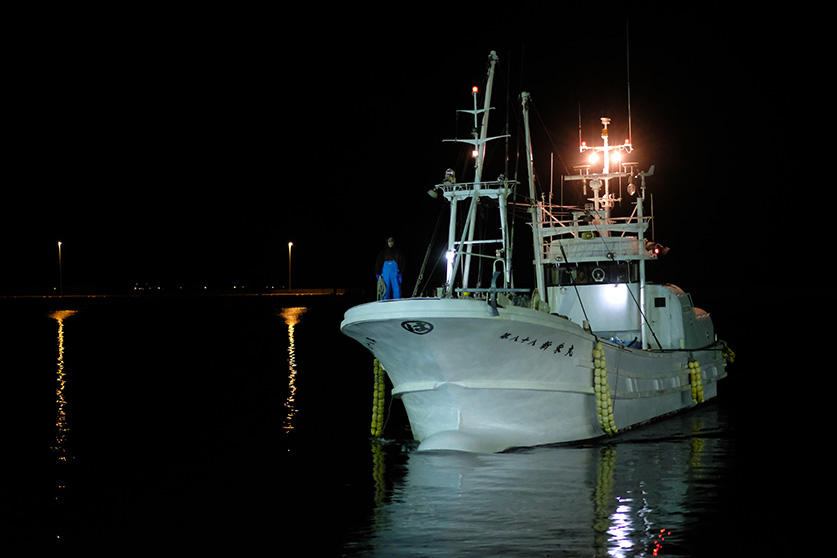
x=480 y=157
x=606 y=172
x=640 y=250
x=489 y=88
x=644 y=330
x=535 y=209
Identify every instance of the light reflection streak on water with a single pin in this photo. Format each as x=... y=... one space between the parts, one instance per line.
x=634 y=522
x=621 y=528
x=62 y=429
x=292 y=317
x=631 y=517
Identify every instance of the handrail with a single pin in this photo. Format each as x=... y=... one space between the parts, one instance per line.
x=492 y=292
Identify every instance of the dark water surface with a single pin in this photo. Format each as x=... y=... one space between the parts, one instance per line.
x=242 y=424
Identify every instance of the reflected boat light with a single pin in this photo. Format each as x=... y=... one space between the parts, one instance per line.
x=658 y=544
x=621 y=528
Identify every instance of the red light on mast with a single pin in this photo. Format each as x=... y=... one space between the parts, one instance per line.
x=475 y=89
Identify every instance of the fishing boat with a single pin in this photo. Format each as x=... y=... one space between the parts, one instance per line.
x=589 y=349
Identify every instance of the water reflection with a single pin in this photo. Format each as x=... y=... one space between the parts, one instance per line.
x=634 y=495
x=61 y=427
x=292 y=317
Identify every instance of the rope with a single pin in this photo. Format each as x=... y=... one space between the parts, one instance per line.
x=427 y=253
x=577 y=294
x=644 y=319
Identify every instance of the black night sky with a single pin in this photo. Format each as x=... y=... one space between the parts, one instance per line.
x=187 y=149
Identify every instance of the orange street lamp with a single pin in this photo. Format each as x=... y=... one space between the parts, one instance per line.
x=60 y=272
x=290 y=245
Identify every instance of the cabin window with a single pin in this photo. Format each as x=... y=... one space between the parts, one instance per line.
x=591 y=273
x=659 y=302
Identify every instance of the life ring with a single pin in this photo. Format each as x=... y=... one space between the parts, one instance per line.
x=598 y=275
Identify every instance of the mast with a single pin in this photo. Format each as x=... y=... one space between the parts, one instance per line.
x=456 y=192
x=480 y=158
x=535 y=208
x=641 y=250
x=596 y=243
x=608 y=153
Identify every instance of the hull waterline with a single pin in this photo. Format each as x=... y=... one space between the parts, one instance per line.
x=474 y=381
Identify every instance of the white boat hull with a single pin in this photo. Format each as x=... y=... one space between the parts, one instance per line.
x=471 y=380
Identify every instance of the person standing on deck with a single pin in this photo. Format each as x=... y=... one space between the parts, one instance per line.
x=389 y=267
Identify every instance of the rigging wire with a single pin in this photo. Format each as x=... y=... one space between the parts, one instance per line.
x=575 y=286
x=644 y=317
x=628 y=66
x=627 y=285
x=549 y=136
x=427 y=253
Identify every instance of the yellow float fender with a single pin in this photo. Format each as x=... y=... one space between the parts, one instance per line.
x=729 y=356
x=378 y=397
x=696 y=381
x=604 y=402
